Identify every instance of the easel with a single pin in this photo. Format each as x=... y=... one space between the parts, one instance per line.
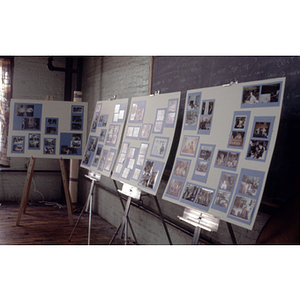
x=132 y=192
x=200 y=221
x=88 y=204
x=24 y=199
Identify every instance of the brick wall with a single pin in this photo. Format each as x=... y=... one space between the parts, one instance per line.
x=33 y=80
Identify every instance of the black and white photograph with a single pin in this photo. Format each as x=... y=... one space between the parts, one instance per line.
x=191 y=118
x=174 y=188
x=243 y=208
x=24 y=110
x=103 y=120
x=190 y=192
x=159 y=147
x=236 y=138
x=207 y=107
x=146 y=130
x=49 y=142
x=34 y=141
x=201 y=168
x=261 y=130
x=251 y=95
x=227 y=181
x=221 y=158
x=249 y=185
x=193 y=102
x=232 y=160
x=77 y=109
x=270 y=93
x=102 y=134
x=222 y=198
x=206 y=152
x=240 y=122
x=92 y=145
x=204 y=196
x=51 y=130
x=205 y=123
x=257 y=149
x=181 y=168
x=31 y=123
x=152 y=179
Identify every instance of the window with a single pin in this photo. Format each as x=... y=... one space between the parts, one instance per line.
x=5 y=96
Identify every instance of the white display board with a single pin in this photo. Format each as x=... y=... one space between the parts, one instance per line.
x=225 y=149
x=47 y=129
x=105 y=135
x=147 y=141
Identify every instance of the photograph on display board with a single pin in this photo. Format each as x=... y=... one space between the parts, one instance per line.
x=207 y=110
x=103 y=119
x=242 y=208
x=246 y=195
x=171 y=113
x=49 y=146
x=145 y=133
x=137 y=111
x=181 y=167
x=204 y=197
x=159 y=147
x=270 y=93
x=260 y=138
x=18 y=144
x=174 y=188
x=262 y=95
x=203 y=162
x=51 y=126
x=227 y=159
x=192 y=111
x=239 y=129
x=251 y=95
x=77 y=117
x=189 y=145
x=34 y=140
x=27 y=116
x=190 y=192
x=150 y=174
x=70 y=143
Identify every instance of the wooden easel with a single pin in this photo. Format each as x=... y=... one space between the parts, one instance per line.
x=24 y=200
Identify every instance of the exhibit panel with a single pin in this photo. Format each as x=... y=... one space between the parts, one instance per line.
x=147 y=141
x=47 y=129
x=105 y=136
x=225 y=149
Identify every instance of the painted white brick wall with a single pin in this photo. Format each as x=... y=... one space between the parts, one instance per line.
x=33 y=80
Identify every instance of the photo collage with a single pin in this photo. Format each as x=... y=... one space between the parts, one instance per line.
x=105 y=134
x=41 y=130
x=232 y=191
x=147 y=141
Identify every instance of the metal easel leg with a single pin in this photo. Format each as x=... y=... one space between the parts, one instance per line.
x=231 y=233
x=162 y=219
x=196 y=236
x=87 y=203
x=121 y=200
